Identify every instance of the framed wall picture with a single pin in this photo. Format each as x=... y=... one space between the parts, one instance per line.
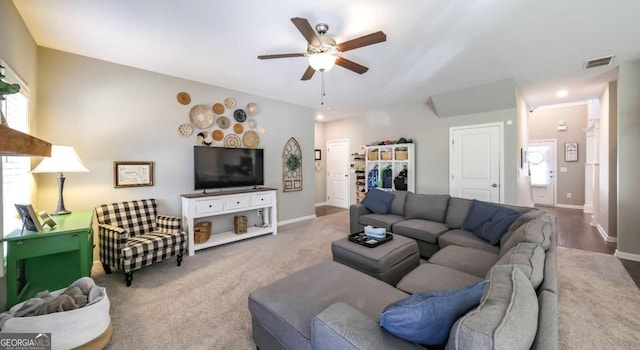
x=571 y=152
x=132 y=174
x=29 y=217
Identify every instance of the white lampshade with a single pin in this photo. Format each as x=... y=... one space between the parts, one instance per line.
x=323 y=61
x=64 y=159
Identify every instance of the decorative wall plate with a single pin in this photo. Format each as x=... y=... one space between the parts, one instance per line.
x=217 y=135
x=218 y=108
x=251 y=123
x=229 y=102
x=252 y=109
x=238 y=128
x=185 y=129
x=184 y=98
x=250 y=139
x=239 y=115
x=223 y=122
x=232 y=141
x=262 y=130
x=201 y=116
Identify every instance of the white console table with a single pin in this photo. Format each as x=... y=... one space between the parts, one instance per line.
x=218 y=203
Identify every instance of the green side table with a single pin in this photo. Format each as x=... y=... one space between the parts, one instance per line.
x=49 y=260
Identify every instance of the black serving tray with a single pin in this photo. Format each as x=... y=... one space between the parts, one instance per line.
x=362 y=239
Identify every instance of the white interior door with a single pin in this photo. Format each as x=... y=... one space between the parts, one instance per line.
x=542 y=166
x=338 y=173
x=475 y=156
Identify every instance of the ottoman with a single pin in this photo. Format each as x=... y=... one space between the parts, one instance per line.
x=388 y=262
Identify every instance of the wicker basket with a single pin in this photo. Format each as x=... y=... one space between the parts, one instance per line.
x=201 y=232
x=372 y=154
x=402 y=155
x=240 y=224
x=385 y=155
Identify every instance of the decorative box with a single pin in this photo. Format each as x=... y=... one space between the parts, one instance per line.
x=240 y=224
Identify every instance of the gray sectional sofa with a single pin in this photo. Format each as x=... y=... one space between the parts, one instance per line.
x=333 y=306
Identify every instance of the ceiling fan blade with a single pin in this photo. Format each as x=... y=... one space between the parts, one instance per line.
x=350 y=65
x=308 y=74
x=307 y=31
x=282 y=55
x=366 y=40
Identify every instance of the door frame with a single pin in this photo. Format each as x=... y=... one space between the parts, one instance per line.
x=329 y=154
x=500 y=126
x=555 y=167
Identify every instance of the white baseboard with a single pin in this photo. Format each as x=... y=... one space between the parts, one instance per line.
x=605 y=236
x=588 y=208
x=291 y=221
x=569 y=206
x=321 y=204
x=627 y=256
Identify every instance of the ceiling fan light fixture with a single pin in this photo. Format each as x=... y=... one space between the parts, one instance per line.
x=322 y=61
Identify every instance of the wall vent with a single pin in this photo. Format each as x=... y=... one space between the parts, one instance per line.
x=597 y=62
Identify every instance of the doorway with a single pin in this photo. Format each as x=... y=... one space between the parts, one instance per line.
x=338 y=173
x=476 y=159
x=542 y=165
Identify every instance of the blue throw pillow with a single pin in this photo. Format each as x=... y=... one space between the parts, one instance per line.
x=489 y=221
x=427 y=318
x=378 y=201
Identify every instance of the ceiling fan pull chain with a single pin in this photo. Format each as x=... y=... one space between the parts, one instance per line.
x=322 y=88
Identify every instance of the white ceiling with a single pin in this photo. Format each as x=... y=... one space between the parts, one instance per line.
x=432 y=47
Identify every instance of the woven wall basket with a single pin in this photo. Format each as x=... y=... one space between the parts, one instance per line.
x=201 y=232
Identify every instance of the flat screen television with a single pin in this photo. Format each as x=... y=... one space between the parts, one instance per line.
x=218 y=167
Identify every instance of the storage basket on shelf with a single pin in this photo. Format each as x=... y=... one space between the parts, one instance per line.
x=240 y=224
x=402 y=154
x=385 y=155
x=201 y=232
x=372 y=154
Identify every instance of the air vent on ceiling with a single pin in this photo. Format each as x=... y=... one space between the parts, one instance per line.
x=597 y=62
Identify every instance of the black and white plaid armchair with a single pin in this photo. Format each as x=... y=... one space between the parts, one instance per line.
x=133 y=235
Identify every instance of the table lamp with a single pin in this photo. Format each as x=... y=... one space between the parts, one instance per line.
x=64 y=159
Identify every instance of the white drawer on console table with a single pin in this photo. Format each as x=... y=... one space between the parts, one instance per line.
x=261 y=199
x=236 y=202
x=208 y=206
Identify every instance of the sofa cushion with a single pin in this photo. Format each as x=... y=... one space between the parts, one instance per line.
x=535 y=231
x=530 y=258
x=419 y=229
x=286 y=307
x=489 y=221
x=378 y=201
x=378 y=220
x=507 y=317
x=426 y=318
x=472 y=261
x=397 y=206
x=465 y=239
x=457 y=211
x=521 y=220
x=431 y=207
x=431 y=277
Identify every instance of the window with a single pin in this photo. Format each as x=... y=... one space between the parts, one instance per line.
x=16 y=176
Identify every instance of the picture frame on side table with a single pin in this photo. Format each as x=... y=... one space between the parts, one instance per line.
x=29 y=218
x=132 y=174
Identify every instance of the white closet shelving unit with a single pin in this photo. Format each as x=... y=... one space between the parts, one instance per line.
x=398 y=157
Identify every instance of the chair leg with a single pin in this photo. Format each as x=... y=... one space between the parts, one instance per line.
x=180 y=259
x=106 y=268
x=128 y=277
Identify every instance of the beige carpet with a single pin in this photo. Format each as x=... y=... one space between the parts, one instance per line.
x=203 y=304
x=599 y=303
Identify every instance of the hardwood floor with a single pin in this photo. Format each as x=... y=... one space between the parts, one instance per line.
x=574 y=231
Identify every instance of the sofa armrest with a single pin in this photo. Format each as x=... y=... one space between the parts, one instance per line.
x=111 y=240
x=355 y=211
x=168 y=224
x=340 y=326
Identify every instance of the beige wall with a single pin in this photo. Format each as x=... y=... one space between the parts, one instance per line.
x=608 y=152
x=19 y=51
x=628 y=228
x=110 y=112
x=321 y=178
x=543 y=124
x=431 y=135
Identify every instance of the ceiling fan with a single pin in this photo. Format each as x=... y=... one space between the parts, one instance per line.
x=322 y=50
